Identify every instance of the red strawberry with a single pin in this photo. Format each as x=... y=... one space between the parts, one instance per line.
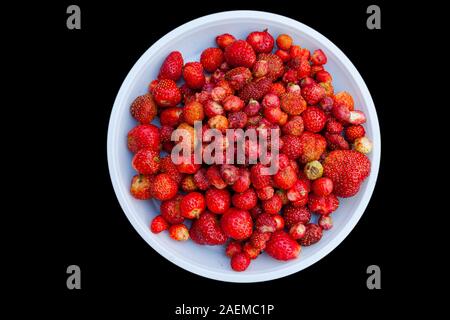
x=277 y=88
x=256 y=211
x=294 y=126
x=224 y=40
x=292 y=146
x=323 y=76
x=245 y=200
x=325 y=222
x=143 y=136
x=301 y=67
x=237 y=224
x=326 y=103
x=298 y=193
x=192 y=112
x=193 y=75
x=201 y=180
x=354 y=132
x=140 y=186
x=238 y=77
x=166 y=93
x=275 y=67
x=272 y=205
x=233 y=103
x=318 y=58
x=279 y=220
x=281 y=246
x=312 y=235
x=266 y=223
x=164 y=187
x=232 y=248
x=170 y=117
x=344 y=98
x=314 y=119
x=240 y=261
x=188 y=165
x=172 y=67
x=179 y=232
x=323 y=205
x=312 y=146
x=313 y=93
x=206 y=230
x=170 y=210
x=256 y=89
x=237 y=120
x=261 y=41
x=336 y=141
x=218 y=200
x=158 y=224
x=259 y=239
x=243 y=181
x=144 y=108
x=167 y=166
x=285 y=178
x=293 y=215
x=240 y=54
x=188 y=184
x=259 y=180
x=322 y=186
x=251 y=251
x=293 y=103
x=211 y=59
x=333 y=126
x=347 y=169
x=146 y=161
x=192 y=205
x=284 y=41
x=265 y=193
x=215 y=178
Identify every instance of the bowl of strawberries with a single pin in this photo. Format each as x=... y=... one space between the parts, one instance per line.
x=243 y=146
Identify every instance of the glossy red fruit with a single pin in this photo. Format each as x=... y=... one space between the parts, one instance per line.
x=259 y=180
x=179 y=232
x=265 y=193
x=193 y=75
x=206 y=230
x=166 y=93
x=293 y=215
x=238 y=77
x=232 y=248
x=266 y=223
x=218 y=200
x=192 y=205
x=188 y=165
x=237 y=224
x=326 y=222
x=313 y=93
x=318 y=57
x=282 y=246
x=240 y=54
x=272 y=205
x=163 y=187
x=261 y=41
x=224 y=40
x=172 y=67
x=211 y=59
x=171 y=116
x=144 y=108
x=245 y=200
x=170 y=210
x=323 y=205
x=322 y=186
x=141 y=186
x=284 y=41
x=314 y=119
x=297 y=231
x=146 y=161
x=259 y=239
x=285 y=178
x=312 y=235
x=354 y=132
x=158 y=224
x=143 y=136
x=240 y=261
x=279 y=220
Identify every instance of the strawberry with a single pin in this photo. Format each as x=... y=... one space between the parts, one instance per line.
x=322 y=186
x=323 y=205
x=192 y=112
x=283 y=55
x=266 y=223
x=256 y=211
x=170 y=210
x=347 y=169
x=218 y=200
x=240 y=54
x=187 y=165
x=237 y=224
x=293 y=103
x=211 y=59
x=258 y=180
x=290 y=76
x=292 y=146
x=344 y=98
x=179 y=232
x=215 y=178
x=272 y=205
x=213 y=108
x=140 y=186
x=312 y=146
x=261 y=41
x=167 y=166
x=245 y=200
x=275 y=67
x=188 y=184
x=240 y=261
x=237 y=120
x=326 y=103
x=218 y=122
x=238 y=77
x=333 y=126
x=201 y=180
x=325 y=222
x=318 y=58
x=146 y=161
x=143 y=136
x=193 y=75
x=294 y=126
x=313 y=93
x=312 y=235
x=243 y=181
x=336 y=141
x=298 y=193
x=255 y=89
x=170 y=116
x=282 y=246
x=172 y=67
x=166 y=93
x=260 y=68
x=314 y=119
x=224 y=40
x=279 y=221
x=250 y=250
x=232 y=248
x=259 y=239
x=297 y=231
x=158 y=224
x=277 y=88
x=163 y=187
x=192 y=205
x=285 y=178
x=284 y=42
x=206 y=230
x=233 y=103
x=301 y=67
x=144 y=108
x=363 y=145
x=323 y=76
x=293 y=215
x=265 y=193
x=354 y=132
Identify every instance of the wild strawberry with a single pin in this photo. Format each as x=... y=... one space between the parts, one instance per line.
x=143 y=136
x=258 y=179
x=240 y=54
x=141 y=186
x=297 y=231
x=251 y=251
x=293 y=215
x=192 y=205
x=282 y=194
x=170 y=210
x=318 y=57
x=172 y=67
x=211 y=59
x=237 y=224
x=215 y=178
x=291 y=146
x=326 y=222
x=238 y=77
x=218 y=122
x=333 y=126
x=293 y=104
x=336 y=141
x=273 y=114
x=261 y=41
x=167 y=166
x=170 y=116
x=166 y=93
x=323 y=76
x=312 y=235
x=283 y=55
x=188 y=184
x=146 y=161
x=158 y=224
x=363 y=145
x=313 y=170
x=240 y=261
x=255 y=89
x=179 y=232
x=323 y=205
x=326 y=103
x=144 y=108
x=271 y=100
x=193 y=112
x=218 y=200
x=313 y=93
x=200 y=179
x=306 y=81
x=277 y=88
x=252 y=108
x=281 y=246
x=275 y=67
x=322 y=186
x=301 y=66
x=256 y=211
x=260 y=68
x=344 y=98
x=279 y=220
x=265 y=193
x=224 y=40
x=163 y=187
x=258 y=239
x=290 y=76
x=245 y=200
x=295 y=51
x=284 y=42
x=328 y=87
x=152 y=86
x=206 y=230
x=294 y=126
x=293 y=88
x=218 y=94
x=187 y=165
x=187 y=94
x=243 y=181
x=265 y=223
x=272 y=205
x=298 y=193
x=314 y=119
x=354 y=132
x=193 y=75
x=229 y=173
x=237 y=120
x=285 y=178
x=232 y=248
x=233 y=103
x=213 y=108
x=312 y=146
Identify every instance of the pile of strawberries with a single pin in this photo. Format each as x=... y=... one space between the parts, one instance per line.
x=243 y=84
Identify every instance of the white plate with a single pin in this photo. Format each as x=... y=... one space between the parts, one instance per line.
x=191 y=38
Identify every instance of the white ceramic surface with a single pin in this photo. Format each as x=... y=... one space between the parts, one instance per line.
x=191 y=38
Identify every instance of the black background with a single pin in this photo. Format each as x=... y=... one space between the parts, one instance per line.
x=78 y=74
